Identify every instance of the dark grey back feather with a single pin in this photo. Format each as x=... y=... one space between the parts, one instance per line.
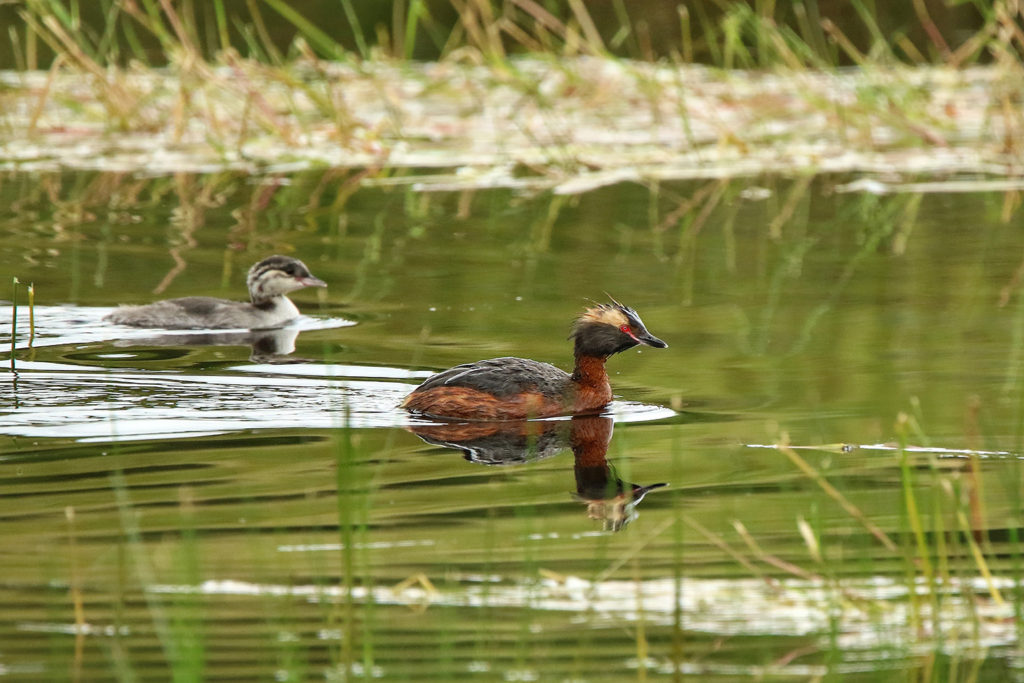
x=503 y=377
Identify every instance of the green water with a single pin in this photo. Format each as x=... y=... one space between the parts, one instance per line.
x=172 y=509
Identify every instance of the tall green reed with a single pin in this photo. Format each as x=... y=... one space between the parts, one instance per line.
x=30 y=290
x=14 y=320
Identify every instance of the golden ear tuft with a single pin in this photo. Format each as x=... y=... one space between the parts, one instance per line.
x=604 y=314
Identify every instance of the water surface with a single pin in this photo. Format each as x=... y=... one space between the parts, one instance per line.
x=238 y=507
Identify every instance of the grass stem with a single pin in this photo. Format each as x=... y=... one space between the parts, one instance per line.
x=834 y=493
x=923 y=560
x=31 y=314
x=14 y=320
x=75 y=590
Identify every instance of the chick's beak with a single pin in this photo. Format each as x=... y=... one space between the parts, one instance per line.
x=311 y=281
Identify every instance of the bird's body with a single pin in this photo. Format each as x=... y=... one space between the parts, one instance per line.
x=269 y=282
x=517 y=388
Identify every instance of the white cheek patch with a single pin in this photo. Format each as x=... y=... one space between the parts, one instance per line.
x=274 y=282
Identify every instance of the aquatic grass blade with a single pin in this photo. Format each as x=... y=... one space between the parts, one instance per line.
x=31 y=314
x=913 y=516
x=835 y=494
x=14 y=320
x=357 y=29
x=267 y=47
x=220 y=16
x=417 y=9
x=316 y=37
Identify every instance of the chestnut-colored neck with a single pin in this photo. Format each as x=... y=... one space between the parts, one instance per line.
x=593 y=391
x=589 y=370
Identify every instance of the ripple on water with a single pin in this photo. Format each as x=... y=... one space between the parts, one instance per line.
x=59 y=325
x=86 y=390
x=728 y=607
x=108 y=405
x=115 y=405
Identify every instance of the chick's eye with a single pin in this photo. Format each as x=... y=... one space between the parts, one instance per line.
x=625 y=328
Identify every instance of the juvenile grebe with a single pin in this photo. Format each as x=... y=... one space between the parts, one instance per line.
x=517 y=388
x=269 y=281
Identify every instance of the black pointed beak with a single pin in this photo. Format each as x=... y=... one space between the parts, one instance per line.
x=650 y=340
x=640 y=491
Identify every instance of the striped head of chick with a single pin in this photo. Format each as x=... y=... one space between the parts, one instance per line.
x=278 y=275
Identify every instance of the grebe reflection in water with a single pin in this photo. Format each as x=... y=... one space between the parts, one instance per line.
x=607 y=497
x=266 y=346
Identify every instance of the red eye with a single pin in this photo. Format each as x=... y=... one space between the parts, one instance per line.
x=627 y=330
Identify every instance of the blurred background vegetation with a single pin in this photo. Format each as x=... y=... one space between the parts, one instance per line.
x=723 y=33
